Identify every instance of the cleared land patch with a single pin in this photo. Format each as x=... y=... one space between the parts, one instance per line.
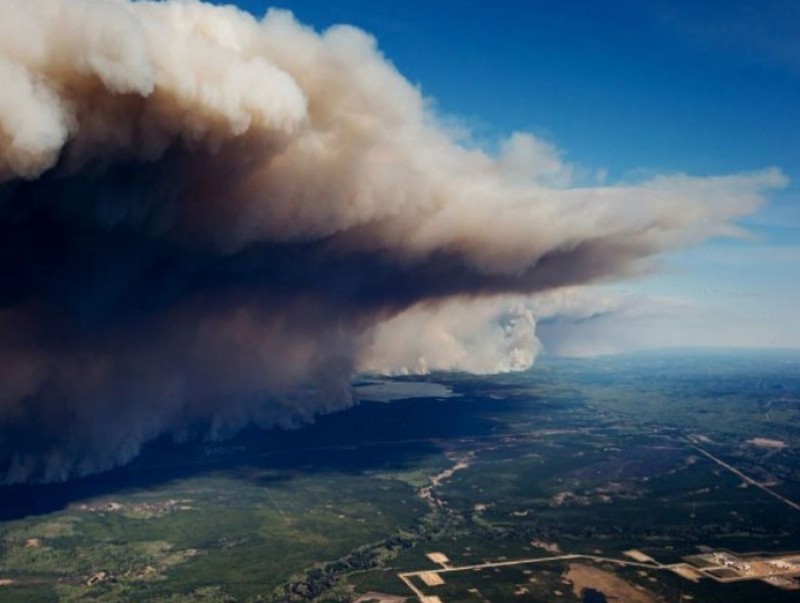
x=584 y=577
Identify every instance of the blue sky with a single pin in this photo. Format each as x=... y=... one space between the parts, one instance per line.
x=632 y=88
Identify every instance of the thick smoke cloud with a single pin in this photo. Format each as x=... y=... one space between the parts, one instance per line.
x=483 y=336
x=204 y=217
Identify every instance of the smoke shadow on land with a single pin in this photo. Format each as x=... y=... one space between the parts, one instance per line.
x=369 y=436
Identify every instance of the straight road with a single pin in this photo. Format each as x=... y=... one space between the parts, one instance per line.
x=746 y=478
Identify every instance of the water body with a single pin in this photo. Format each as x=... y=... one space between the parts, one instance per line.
x=388 y=390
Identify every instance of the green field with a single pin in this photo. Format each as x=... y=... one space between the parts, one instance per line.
x=571 y=458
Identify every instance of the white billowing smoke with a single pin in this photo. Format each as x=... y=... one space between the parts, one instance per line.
x=209 y=219
x=476 y=336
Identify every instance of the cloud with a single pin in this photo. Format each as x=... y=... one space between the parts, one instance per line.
x=206 y=220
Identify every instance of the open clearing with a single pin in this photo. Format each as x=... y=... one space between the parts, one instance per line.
x=584 y=577
x=373 y=597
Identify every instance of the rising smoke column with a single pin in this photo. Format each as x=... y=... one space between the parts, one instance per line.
x=204 y=217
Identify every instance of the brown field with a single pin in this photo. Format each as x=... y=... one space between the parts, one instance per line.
x=586 y=576
x=431 y=578
x=639 y=556
x=438 y=557
x=686 y=572
x=373 y=597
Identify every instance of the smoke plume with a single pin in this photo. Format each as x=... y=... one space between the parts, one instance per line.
x=204 y=217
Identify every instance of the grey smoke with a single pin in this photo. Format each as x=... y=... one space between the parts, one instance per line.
x=211 y=219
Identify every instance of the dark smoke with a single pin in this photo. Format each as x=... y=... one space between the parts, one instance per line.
x=204 y=218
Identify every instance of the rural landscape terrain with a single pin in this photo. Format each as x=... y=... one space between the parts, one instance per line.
x=670 y=477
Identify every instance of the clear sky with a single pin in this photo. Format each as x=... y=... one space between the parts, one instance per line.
x=629 y=88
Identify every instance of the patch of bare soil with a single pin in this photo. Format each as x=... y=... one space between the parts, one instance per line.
x=613 y=587
x=374 y=597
